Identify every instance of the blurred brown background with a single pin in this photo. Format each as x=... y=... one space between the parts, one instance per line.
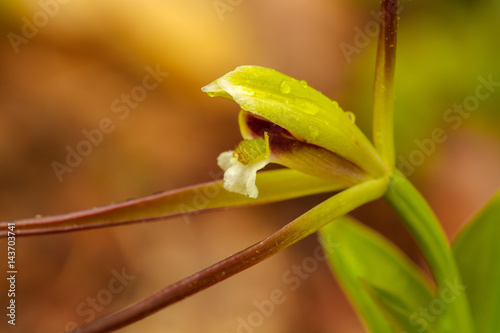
x=63 y=65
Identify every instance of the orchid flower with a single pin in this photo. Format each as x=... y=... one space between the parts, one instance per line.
x=285 y=121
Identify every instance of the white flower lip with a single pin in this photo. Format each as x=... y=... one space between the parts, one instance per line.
x=238 y=177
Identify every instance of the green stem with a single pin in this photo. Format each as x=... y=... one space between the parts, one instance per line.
x=425 y=228
x=383 y=88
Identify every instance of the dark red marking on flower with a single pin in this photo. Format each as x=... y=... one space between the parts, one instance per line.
x=259 y=125
x=314 y=160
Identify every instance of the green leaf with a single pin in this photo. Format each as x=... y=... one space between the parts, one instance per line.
x=477 y=251
x=359 y=257
x=275 y=185
x=403 y=317
x=300 y=109
x=425 y=228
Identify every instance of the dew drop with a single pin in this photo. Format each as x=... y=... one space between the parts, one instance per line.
x=285 y=87
x=252 y=93
x=307 y=106
x=351 y=116
x=313 y=131
x=303 y=83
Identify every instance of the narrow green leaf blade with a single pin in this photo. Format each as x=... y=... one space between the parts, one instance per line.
x=425 y=228
x=274 y=185
x=403 y=317
x=359 y=256
x=477 y=252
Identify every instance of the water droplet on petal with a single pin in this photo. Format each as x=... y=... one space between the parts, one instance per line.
x=285 y=87
x=351 y=116
x=313 y=131
x=306 y=106
x=303 y=83
x=252 y=93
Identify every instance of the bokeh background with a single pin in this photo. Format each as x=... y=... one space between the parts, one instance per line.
x=62 y=76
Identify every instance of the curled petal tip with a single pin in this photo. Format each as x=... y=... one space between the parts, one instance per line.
x=211 y=87
x=214 y=90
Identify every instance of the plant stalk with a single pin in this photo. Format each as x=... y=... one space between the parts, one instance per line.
x=306 y=224
x=383 y=88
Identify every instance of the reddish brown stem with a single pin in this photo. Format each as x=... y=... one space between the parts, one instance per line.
x=383 y=91
x=195 y=283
